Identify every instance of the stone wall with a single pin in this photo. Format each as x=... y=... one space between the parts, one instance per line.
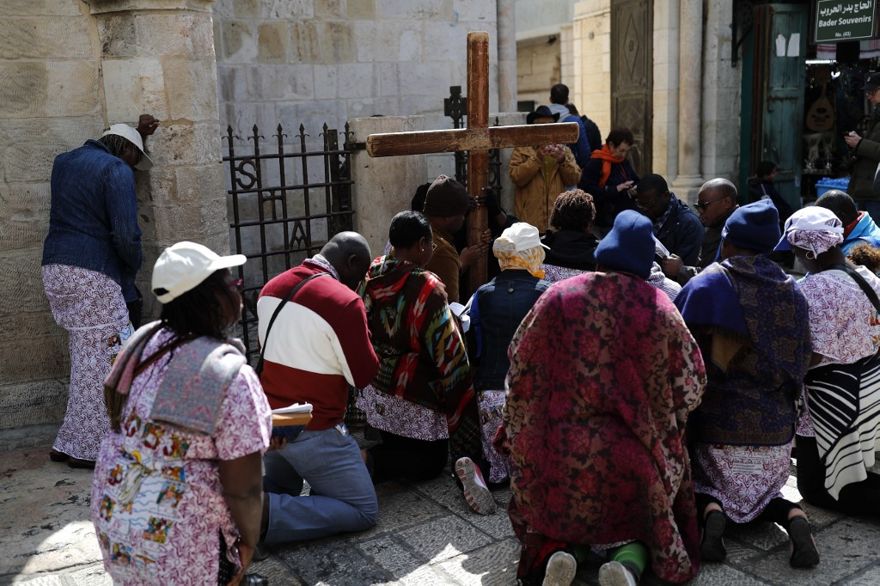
x=50 y=101
x=71 y=68
x=538 y=67
x=591 y=48
x=316 y=61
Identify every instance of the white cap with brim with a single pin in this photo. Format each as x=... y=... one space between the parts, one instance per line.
x=134 y=137
x=183 y=266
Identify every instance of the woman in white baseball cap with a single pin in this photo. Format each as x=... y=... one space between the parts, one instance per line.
x=190 y=422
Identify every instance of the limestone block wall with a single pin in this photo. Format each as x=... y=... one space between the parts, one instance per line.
x=538 y=67
x=68 y=69
x=317 y=61
x=591 y=49
x=161 y=60
x=50 y=101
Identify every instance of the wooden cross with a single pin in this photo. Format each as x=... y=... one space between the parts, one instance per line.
x=478 y=139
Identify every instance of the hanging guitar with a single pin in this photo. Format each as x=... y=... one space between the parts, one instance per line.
x=820 y=115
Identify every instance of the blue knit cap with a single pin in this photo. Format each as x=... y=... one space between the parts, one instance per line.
x=754 y=226
x=629 y=246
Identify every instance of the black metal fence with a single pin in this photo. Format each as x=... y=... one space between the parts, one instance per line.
x=287 y=197
x=455 y=107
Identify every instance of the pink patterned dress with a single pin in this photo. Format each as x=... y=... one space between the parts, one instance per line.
x=90 y=306
x=157 y=501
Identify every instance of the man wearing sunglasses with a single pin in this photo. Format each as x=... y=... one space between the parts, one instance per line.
x=716 y=201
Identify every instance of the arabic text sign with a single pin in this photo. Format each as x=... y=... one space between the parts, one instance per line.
x=844 y=20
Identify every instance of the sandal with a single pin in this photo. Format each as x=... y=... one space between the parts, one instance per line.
x=804 y=553
x=712 y=547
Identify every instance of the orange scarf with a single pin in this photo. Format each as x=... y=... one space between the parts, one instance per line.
x=607 y=159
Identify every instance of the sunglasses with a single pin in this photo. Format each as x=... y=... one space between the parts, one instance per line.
x=702 y=205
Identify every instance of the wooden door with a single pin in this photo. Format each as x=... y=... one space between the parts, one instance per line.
x=778 y=79
x=632 y=37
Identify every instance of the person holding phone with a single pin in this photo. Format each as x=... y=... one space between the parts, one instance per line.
x=865 y=149
x=610 y=178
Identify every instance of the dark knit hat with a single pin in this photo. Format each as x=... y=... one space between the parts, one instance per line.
x=446 y=197
x=754 y=226
x=629 y=246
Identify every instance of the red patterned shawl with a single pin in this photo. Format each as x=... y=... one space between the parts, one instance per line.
x=603 y=374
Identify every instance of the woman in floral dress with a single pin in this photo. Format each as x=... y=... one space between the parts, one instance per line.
x=176 y=496
x=603 y=374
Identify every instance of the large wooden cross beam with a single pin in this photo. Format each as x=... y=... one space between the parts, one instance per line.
x=478 y=138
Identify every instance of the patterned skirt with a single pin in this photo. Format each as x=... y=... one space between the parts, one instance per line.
x=743 y=478
x=491 y=405
x=90 y=306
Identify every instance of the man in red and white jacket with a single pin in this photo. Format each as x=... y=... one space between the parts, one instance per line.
x=318 y=345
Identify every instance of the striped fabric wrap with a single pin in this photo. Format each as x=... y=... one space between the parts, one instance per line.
x=844 y=402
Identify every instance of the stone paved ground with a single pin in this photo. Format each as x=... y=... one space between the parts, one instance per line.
x=425 y=536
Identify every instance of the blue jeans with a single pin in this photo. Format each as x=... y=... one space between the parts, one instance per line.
x=342 y=495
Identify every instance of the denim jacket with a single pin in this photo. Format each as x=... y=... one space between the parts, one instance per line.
x=496 y=310
x=93 y=221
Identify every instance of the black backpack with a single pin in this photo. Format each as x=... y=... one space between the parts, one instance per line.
x=593 y=134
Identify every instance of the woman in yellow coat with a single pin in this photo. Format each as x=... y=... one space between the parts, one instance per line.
x=540 y=174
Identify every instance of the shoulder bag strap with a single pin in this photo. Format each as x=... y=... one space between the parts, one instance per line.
x=259 y=368
x=862 y=283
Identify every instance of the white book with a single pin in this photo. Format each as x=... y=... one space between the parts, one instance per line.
x=295 y=408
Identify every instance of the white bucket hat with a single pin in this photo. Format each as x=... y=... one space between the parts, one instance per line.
x=183 y=266
x=134 y=137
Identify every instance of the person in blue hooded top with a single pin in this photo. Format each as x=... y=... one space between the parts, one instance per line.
x=858 y=227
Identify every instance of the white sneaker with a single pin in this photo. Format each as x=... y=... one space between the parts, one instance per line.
x=476 y=493
x=561 y=569
x=615 y=574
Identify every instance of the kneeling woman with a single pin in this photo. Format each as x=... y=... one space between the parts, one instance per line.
x=422 y=400
x=599 y=394
x=176 y=496
x=837 y=434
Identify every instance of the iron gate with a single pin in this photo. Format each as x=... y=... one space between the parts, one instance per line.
x=286 y=200
x=455 y=107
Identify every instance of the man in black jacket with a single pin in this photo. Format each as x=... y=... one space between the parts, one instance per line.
x=866 y=150
x=676 y=226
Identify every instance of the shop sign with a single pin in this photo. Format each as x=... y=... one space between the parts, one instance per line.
x=844 y=20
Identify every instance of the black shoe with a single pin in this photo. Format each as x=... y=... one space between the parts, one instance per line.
x=57 y=456
x=255 y=580
x=804 y=553
x=77 y=463
x=261 y=552
x=712 y=548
